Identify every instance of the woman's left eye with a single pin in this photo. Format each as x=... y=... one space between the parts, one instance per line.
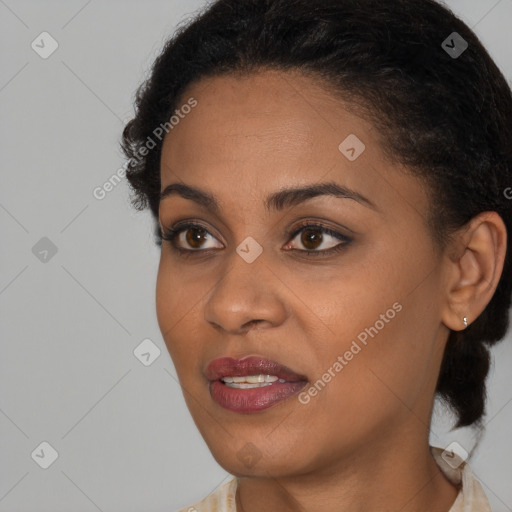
x=313 y=238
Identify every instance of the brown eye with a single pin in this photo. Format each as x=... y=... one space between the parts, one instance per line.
x=317 y=239
x=311 y=238
x=190 y=237
x=195 y=236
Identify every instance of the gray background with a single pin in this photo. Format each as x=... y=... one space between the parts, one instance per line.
x=70 y=324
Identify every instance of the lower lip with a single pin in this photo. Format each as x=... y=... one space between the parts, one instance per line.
x=253 y=399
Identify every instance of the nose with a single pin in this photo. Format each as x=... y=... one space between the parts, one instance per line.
x=247 y=295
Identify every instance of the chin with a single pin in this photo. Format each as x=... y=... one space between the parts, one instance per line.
x=257 y=456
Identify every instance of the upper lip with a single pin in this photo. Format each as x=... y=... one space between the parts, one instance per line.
x=252 y=365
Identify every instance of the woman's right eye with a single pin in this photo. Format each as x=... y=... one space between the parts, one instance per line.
x=191 y=235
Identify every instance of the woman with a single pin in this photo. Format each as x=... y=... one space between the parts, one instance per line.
x=328 y=182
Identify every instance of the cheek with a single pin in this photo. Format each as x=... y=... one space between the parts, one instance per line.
x=370 y=329
x=180 y=302
x=165 y=297
x=358 y=388
x=175 y=308
x=177 y=294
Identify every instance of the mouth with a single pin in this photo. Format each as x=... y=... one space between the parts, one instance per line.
x=251 y=384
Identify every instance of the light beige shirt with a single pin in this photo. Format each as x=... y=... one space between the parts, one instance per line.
x=471 y=497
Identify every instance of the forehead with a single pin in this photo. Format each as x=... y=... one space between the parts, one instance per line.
x=264 y=114
x=260 y=132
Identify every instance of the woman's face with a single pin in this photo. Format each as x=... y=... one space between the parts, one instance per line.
x=358 y=317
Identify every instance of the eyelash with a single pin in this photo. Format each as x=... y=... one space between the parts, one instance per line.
x=170 y=235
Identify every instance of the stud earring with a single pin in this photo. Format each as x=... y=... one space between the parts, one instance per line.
x=465 y=320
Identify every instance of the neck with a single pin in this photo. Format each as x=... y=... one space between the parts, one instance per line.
x=404 y=478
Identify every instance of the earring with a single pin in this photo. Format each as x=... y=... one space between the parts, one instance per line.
x=465 y=320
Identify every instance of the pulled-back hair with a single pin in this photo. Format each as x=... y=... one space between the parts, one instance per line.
x=447 y=118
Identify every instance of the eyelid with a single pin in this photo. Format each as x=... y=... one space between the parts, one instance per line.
x=321 y=227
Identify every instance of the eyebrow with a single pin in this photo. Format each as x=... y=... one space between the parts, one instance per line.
x=277 y=201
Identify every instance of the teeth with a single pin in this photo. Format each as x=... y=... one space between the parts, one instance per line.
x=252 y=379
x=241 y=385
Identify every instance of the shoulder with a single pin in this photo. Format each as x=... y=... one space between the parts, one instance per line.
x=220 y=500
x=471 y=497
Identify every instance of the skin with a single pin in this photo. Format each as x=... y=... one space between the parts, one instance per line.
x=360 y=444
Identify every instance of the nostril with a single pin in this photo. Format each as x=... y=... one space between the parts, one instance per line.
x=252 y=322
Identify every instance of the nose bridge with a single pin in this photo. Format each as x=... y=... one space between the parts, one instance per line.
x=244 y=294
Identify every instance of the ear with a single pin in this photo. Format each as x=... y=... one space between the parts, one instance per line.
x=475 y=264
